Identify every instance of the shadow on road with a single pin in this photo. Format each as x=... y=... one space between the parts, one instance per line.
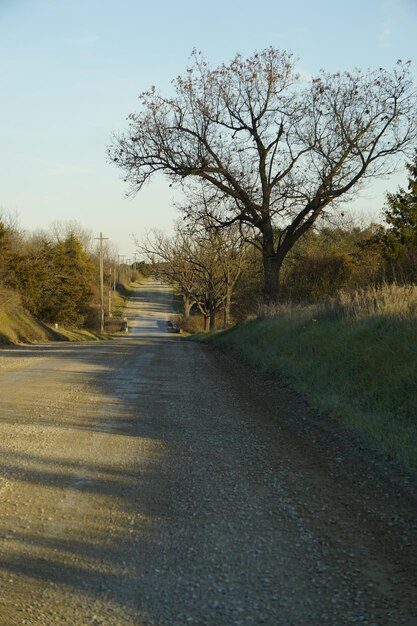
x=98 y=553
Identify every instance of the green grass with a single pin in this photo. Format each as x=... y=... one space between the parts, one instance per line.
x=360 y=370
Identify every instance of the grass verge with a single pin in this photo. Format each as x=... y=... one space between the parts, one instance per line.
x=360 y=370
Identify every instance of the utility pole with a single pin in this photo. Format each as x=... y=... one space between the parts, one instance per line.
x=101 y=239
x=110 y=290
x=120 y=256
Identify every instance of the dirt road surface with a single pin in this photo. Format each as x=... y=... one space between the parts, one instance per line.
x=151 y=481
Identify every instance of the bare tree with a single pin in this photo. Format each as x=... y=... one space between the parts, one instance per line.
x=282 y=151
x=60 y=230
x=209 y=285
x=172 y=256
x=225 y=257
x=204 y=264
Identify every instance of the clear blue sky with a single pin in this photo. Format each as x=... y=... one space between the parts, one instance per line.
x=71 y=71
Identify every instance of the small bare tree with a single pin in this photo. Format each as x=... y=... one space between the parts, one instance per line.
x=218 y=258
x=172 y=254
x=282 y=151
x=225 y=251
x=205 y=266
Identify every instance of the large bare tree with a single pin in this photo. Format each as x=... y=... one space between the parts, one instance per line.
x=276 y=151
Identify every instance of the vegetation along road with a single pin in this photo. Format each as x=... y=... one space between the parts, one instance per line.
x=150 y=480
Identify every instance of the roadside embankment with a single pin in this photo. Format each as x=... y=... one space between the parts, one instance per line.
x=17 y=326
x=358 y=366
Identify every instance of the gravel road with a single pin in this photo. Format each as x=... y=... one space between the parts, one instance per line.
x=152 y=481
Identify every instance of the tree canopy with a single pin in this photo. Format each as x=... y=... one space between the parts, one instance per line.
x=267 y=149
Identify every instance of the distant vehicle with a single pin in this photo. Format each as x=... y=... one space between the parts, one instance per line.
x=171 y=327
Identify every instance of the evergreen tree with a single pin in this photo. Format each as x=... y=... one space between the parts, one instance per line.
x=400 y=239
x=72 y=282
x=401 y=213
x=55 y=281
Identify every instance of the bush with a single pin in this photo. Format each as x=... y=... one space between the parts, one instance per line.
x=315 y=277
x=194 y=324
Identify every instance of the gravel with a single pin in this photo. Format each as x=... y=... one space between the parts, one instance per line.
x=153 y=481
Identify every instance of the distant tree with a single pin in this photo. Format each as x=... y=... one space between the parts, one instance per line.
x=218 y=259
x=316 y=277
x=62 y=230
x=170 y=256
x=143 y=268
x=203 y=265
x=209 y=282
x=11 y=240
x=334 y=256
x=281 y=152
x=71 y=292
x=227 y=250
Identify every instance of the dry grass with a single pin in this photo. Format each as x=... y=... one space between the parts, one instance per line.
x=388 y=300
x=8 y=299
x=393 y=301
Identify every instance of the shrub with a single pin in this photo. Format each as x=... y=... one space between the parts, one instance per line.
x=314 y=277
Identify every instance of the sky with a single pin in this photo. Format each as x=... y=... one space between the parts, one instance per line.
x=71 y=72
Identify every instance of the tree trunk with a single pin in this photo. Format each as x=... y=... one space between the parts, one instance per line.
x=187 y=304
x=212 y=319
x=227 y=305
x=212 y=312
x=228 y=299
x=206 y=323
x=272 y=266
